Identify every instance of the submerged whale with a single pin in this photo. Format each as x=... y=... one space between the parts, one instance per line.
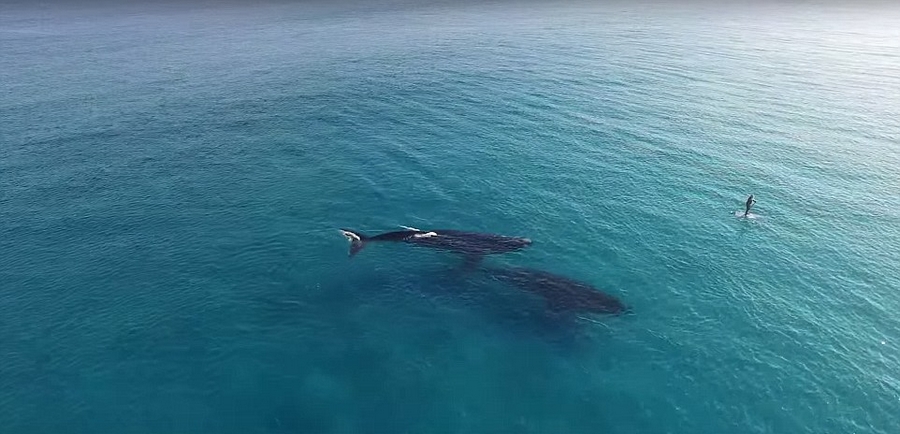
x=562 y=294
x=473 y=244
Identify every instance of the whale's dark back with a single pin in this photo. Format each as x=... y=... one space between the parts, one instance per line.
x=473 y=243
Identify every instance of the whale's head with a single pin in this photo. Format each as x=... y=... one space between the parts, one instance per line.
x=508 y=244
x=520 y=243
x=602 y=303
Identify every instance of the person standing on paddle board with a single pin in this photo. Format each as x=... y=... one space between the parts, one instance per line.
x=750 y=202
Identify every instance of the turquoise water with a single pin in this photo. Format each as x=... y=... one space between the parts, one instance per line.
x=172 y=180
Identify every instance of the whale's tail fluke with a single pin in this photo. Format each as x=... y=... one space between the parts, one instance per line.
x=357 y=240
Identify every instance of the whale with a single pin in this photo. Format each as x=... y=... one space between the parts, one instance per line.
x=561 y=294
x=472 y=244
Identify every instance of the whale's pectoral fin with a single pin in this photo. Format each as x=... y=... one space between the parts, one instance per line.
x=355 y=247
x=472 y=261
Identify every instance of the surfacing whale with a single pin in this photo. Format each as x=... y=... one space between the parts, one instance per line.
x=473 y=244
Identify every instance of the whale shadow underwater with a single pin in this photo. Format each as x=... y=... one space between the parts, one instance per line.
x=561 y=295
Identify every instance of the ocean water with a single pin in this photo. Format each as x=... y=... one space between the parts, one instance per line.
x=172 y=181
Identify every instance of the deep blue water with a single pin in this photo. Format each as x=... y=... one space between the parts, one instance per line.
x=172 y=180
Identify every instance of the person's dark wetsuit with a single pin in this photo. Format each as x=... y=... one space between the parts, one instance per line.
x=750 y=202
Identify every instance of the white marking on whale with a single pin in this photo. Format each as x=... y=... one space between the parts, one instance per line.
x=350 y=236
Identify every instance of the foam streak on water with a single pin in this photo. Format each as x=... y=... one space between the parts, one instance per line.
x=172 y=181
